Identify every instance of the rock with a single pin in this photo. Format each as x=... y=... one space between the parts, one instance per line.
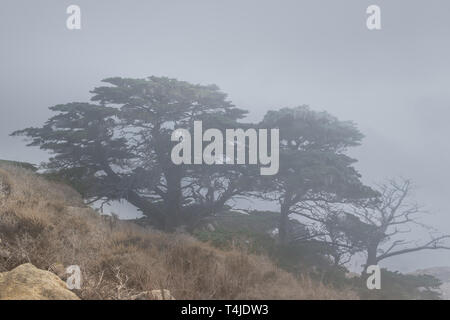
x=154 y=295
x=26 y=282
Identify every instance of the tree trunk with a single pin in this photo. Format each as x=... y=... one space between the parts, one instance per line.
x=283 y=234
x=173 y=199
x=371 y=255
x=149 y=210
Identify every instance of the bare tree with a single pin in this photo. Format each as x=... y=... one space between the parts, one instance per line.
x=373 y=226
x=385 y=220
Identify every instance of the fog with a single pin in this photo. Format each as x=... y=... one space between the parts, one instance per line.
x=265 y=54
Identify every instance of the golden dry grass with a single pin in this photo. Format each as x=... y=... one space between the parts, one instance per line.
x=47 y=224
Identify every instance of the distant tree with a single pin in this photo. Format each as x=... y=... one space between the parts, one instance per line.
x=313 y=163
x=119 y=148
x=379 y=225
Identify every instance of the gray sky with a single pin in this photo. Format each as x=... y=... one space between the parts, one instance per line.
x=265 y=54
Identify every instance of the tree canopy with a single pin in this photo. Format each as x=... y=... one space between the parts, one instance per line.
x=119 y=148
x=313 y=163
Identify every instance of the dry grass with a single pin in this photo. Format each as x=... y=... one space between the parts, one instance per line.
x=47 y=224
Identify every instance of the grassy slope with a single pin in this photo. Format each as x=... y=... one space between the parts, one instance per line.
x=46 y=223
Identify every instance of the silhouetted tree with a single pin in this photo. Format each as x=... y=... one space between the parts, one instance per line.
x=380 y=225
x=313 y=163
x=120 y=147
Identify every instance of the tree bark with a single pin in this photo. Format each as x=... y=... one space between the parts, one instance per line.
x=284 y=224
x=148 y=209
x=135 y=199
x=173 y=199
x=371 y=255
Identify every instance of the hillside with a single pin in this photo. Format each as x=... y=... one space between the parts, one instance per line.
x=47 y=224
